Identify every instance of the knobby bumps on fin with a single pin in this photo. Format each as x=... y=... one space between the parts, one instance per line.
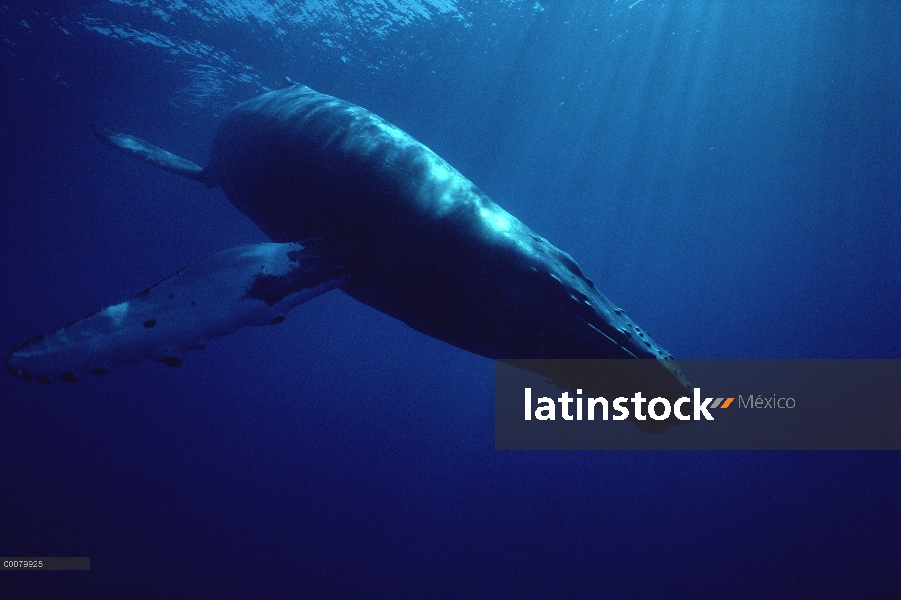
x=255 y=284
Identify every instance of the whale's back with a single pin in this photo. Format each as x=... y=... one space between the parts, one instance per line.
x=420 y=241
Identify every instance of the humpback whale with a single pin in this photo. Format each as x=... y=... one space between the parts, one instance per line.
x=354 y=203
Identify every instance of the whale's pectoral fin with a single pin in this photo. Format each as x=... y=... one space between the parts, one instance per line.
x=153 y=155
x=247 y=285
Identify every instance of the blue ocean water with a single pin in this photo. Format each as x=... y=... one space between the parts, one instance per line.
x=728 y=172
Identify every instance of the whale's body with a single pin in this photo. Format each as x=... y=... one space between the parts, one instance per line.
x=354 y=203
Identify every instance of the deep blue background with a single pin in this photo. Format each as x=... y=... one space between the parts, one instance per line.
x=728 y=172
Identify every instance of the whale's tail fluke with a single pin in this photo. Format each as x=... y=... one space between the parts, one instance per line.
x=153 y=155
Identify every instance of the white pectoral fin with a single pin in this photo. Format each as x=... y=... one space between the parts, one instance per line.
x=153 y=155
x=247 y=285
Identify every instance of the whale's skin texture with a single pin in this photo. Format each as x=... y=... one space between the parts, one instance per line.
x=419 y=241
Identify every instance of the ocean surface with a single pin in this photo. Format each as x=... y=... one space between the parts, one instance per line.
x=729 y=172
